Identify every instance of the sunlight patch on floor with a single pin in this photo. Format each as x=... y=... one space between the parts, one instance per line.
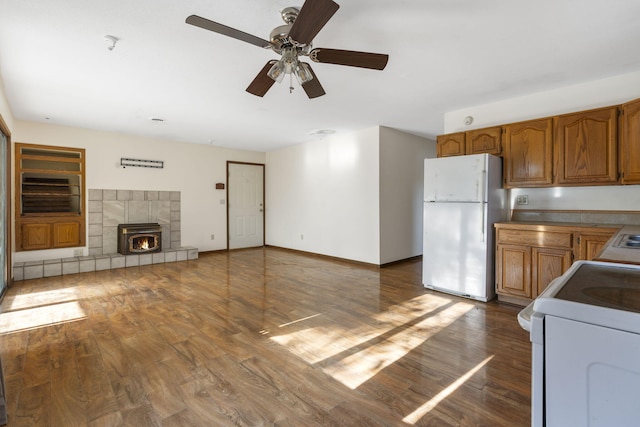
x=363 y=351
x=362 y=365
x=42 y=316
x=36 y=299
x=423 y=410
x=317 y=343
x=299 y=320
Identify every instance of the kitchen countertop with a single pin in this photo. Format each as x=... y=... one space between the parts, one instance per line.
x=611 y=253
x=547 y=225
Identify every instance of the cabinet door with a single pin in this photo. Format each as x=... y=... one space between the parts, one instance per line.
x=513 y=270
x=488 y=140
x=35 y=236
x=590 y=245
x=586 y=145
x=630 y=143
x=66 y=234
x=528 y=153
x=452 y=144
x=547 y=265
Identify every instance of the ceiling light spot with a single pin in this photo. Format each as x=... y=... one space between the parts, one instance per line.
x=322 y=132
x=111 y=40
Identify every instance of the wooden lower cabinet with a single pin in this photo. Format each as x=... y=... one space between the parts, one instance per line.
x=513 y=270
x=547 y=265
x=525 y=271
x=49 y=233
x=35 y=236
x=530 y=256
x=66 y=234
x=591 y=244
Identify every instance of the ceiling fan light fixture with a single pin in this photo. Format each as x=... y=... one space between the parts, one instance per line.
x=303 y=72
x=277 y=71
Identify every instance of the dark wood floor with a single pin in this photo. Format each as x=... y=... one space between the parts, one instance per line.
x=259 y=337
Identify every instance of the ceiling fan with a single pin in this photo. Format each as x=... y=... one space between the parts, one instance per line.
x=292 y=41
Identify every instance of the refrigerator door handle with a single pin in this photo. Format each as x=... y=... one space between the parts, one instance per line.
x=484 y=198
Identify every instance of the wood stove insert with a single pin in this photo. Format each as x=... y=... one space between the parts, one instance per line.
x=139 y=238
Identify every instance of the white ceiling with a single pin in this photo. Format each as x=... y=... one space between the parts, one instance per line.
x=444 y=55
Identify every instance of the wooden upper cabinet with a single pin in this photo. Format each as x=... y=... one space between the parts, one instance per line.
x=528 y=154
x=452 y=144
x=586 y=145
x=487 y=140
x=630 y=143
x=478 y=141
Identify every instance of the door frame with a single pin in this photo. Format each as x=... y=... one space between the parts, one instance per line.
x=264 y=202
x=8 y=207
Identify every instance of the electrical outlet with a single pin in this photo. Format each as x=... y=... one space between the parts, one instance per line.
x=213 y=236
x=522 y=200
x=78 y=252
x=302 y=237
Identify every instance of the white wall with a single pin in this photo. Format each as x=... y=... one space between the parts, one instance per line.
x=192 y=169
x=322 y=196
x=584 y=96
x=5 y=110
x=356 y=196
x=401 y=193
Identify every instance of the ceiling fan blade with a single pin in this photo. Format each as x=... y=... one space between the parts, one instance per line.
x=227 y=31
x=313 y=88
x=262 y=83
x=313 y=15
x=375 y=61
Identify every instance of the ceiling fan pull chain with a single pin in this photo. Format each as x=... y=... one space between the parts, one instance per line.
x=290 y=82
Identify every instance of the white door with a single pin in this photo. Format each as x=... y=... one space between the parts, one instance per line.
x=245 y=205
x=455 y=179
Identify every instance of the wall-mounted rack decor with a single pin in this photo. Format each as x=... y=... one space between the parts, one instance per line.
x=139 y=163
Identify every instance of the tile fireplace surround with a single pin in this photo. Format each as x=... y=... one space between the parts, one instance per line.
x=107 y=209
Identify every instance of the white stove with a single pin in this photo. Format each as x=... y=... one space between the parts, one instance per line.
x=585 y=334
x=628 y=241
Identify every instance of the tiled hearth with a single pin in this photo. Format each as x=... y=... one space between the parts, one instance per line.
x=84 y=264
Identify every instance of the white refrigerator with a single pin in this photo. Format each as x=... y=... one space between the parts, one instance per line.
x=463 y=198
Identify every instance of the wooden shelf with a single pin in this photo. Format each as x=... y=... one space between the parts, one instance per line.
x=49 y=197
